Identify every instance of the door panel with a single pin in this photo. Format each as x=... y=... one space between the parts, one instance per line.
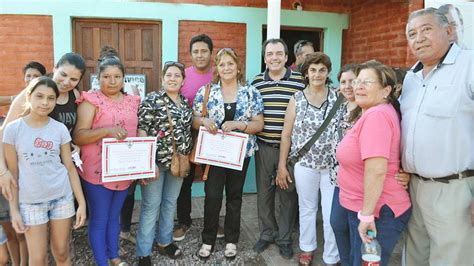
x=137 y=42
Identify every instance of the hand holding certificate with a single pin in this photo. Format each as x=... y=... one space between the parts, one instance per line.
x=128 y=159
x=222 y=149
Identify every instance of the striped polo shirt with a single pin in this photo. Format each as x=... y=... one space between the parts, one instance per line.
x=276 y=95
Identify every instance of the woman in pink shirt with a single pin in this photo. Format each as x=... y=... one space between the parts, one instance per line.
x=369 y=158
x=107 y=113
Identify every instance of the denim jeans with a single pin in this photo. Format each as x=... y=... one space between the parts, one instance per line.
x=388 y=228
x=157 y=212
x=340 y=226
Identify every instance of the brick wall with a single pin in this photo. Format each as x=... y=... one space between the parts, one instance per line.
x=338 y=6
x=23 y=39
x=377 y=31
x=220 y=38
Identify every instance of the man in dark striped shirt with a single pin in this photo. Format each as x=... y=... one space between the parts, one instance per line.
x=276 y=84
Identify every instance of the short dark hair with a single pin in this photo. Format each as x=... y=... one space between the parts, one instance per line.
x=316 y=58
x=35 y=65
x=201 y=38
x=274 y=41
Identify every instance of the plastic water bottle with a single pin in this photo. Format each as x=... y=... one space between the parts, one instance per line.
x=371 y=252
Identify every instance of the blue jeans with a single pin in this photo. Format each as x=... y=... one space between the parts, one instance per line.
x=340 y=226
x=157 y=212
x=104 y=207
x=389 y=230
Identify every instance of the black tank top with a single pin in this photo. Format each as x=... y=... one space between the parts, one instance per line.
x=66 y=113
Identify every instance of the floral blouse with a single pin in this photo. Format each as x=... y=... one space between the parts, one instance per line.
x=153 y=119
x=249 y=104
x=308 y=120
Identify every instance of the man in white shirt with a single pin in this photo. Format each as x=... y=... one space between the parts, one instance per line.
x=437 y=105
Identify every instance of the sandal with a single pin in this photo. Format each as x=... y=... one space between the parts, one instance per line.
x=171 y=250
x=118 y=262
x=305 y=259
x=205 y=251
x=230 y=251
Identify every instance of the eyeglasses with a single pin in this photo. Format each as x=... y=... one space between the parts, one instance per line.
x=227 y=50
x=173 y=63
x=365 y=83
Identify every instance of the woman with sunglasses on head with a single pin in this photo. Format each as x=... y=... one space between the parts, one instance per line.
x=160 y=194
x=232 y=106
x=106 y=113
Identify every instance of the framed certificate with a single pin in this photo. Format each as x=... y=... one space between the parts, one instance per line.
x=222 y=149
x=128 y=159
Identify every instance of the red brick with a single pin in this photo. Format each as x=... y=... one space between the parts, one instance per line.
x=22 y=39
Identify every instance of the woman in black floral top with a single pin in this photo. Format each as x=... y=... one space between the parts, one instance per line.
x=159 y=195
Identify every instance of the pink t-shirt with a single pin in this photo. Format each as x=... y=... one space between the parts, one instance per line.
x=194 y=80
x=376 y=134
x=109 y=113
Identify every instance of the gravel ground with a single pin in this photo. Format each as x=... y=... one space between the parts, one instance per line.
x=189 y=246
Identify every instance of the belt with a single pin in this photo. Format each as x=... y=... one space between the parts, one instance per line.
x=445 y=179
x=273 y=145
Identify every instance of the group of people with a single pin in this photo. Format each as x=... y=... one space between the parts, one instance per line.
x=381 y=161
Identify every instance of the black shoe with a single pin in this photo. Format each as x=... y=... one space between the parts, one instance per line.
x=261 y=245
x=144 y=261
x=286 y=251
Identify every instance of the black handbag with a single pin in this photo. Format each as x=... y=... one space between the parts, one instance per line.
x=292 y=160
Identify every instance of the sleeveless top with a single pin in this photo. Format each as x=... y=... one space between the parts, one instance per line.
x=109 y=114
x=66 y=113
x=308 y=119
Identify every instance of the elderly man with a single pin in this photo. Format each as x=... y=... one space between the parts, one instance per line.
x=301 y=49
x=277 y=84
x=455 y=20
x=437 y=105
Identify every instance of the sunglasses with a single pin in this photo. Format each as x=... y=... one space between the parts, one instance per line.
x=173 y=63
x=227 y=50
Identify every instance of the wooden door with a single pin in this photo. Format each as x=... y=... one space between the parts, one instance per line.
x=138 y=44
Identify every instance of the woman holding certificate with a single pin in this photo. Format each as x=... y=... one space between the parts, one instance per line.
x=159 y=196
x=232 y=105
x=106 y=113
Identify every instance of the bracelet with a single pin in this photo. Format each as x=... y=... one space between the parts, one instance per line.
x=365 y=218
x=12 y=98
x=202 y=121
x=246 y=125
x=3 y=172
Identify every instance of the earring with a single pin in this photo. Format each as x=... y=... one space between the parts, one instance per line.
x=385 y=97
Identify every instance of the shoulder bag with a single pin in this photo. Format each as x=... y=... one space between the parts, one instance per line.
x=291 y=161
x=180 y=165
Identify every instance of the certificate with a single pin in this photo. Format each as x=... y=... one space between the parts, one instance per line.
x=128 y=159
x=222 y=149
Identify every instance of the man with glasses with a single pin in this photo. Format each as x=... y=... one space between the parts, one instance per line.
x=301 y=49
x=437 y=105
x=276 y=84
x=197 y=75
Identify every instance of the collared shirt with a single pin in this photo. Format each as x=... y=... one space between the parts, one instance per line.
x=276 y=94
x=248 y=104
x=438 y=116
